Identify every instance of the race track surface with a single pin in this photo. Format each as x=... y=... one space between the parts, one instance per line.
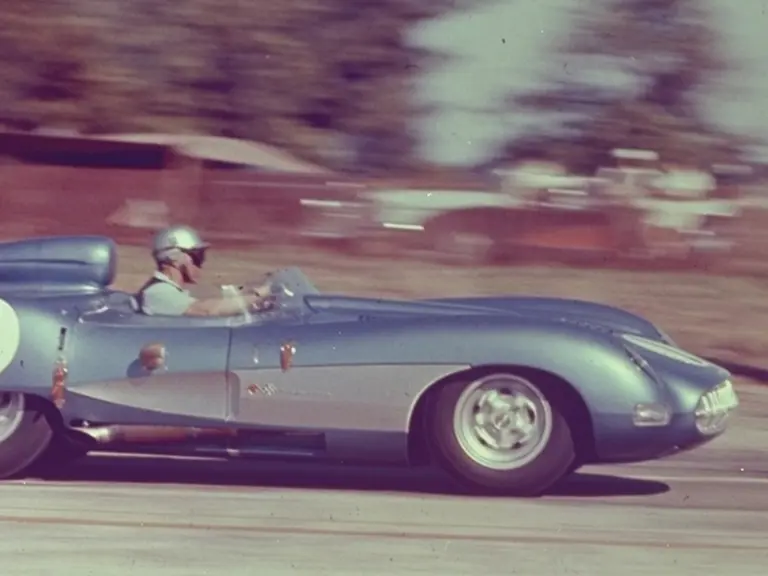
x=701 y=512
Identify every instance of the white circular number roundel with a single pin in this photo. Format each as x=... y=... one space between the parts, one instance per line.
x=10 y=334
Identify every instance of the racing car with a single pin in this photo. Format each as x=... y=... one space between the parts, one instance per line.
x=508 y=394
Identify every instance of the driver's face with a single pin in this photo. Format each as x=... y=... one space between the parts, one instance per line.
x=193 y=264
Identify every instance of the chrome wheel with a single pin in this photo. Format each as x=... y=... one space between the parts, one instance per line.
x=502 y=422
x=465 y=247
x=11 y=413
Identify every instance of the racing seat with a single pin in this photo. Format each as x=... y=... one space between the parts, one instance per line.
x=138 y=297
x=133 y=302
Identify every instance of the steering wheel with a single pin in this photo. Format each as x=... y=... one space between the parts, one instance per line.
x=279 y=295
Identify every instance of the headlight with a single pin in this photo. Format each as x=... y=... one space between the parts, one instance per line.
x=715 y=407
x=655 y=414
x=641 y=363
x=664 y=350
x=666 y=338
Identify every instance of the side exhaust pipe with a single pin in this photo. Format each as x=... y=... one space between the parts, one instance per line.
x=150 y=434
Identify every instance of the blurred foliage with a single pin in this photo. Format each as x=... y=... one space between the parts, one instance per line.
x=632 y=75
x=303 y=74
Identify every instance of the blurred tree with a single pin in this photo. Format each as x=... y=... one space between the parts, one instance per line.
x=56 y=71
x=303 y=74
x=632 y=75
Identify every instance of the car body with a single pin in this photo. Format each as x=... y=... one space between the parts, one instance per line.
x=508 y=394
x=609 y=217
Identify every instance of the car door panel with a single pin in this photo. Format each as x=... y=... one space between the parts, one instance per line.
x=318 y=388
x=104 y=368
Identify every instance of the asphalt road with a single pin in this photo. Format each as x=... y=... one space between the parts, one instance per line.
x=701 y=511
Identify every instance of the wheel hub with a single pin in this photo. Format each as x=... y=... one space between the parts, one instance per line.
x=11 y=412
x=502 y=422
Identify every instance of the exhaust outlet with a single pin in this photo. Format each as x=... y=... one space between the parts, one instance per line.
x=149 y=434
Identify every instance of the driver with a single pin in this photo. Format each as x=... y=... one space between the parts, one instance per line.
x=179 y=253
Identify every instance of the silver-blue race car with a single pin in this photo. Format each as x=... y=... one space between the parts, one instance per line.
x=509 y=394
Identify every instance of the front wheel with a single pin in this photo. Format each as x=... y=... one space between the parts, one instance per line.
x=464 y=247
x=501 y=433
x=24 y=432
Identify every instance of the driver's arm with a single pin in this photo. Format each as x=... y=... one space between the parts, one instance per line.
x=227 y=306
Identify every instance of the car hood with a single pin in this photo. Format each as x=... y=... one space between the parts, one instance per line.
x=579 y=311
x=586 y=314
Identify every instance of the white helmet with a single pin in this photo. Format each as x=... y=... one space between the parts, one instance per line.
x=170 y=243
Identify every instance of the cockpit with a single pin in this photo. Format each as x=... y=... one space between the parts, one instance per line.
x=85 y=268
x=289 y=288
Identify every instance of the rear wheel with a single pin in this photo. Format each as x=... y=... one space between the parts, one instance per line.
x=465 y=248
x=470 y=237
x=61 y=452
x=25 y=432
x=501 y=433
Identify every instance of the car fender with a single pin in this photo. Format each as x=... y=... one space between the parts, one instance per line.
x=609 y=316
x=29 y=357
x=595 y=363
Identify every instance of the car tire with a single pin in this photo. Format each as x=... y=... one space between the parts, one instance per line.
x=61 y=452
x=25 y=432
x=464 y=248
x=462 y=435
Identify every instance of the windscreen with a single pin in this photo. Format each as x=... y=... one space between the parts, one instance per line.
x=290 y=286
